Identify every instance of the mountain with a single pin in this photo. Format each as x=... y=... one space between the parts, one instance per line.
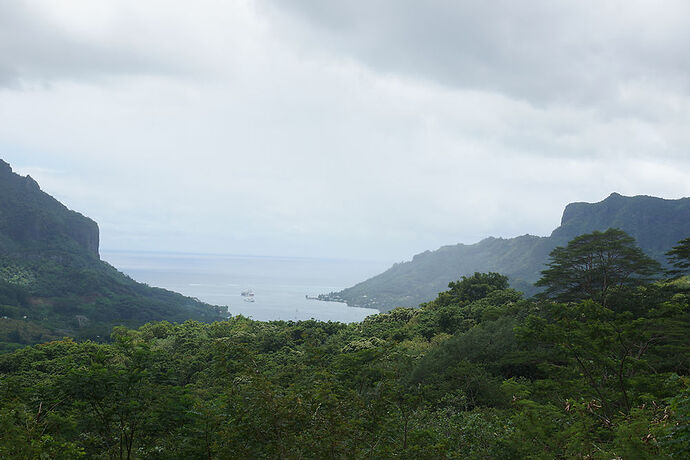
x=657 y=225
x=52 y=281
x=32 y=221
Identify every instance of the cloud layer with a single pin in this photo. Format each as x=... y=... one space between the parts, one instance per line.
x=582 y=52
x=364 y=129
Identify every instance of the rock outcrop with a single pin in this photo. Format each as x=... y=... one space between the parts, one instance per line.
x=53 y=281
x=31 y=220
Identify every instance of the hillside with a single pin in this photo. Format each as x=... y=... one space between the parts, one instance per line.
x=477 y=373
x=52 y=281
x=657 y=224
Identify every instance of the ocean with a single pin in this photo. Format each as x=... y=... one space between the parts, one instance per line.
x=280 y=284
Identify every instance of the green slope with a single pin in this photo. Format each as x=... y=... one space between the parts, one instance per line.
x=52 y=281
x=655 y=223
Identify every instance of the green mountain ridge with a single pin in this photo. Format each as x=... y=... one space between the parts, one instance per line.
x=53 y=283
x=656 y=224
x=33 y=221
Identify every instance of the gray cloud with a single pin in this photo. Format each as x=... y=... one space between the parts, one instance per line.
x=34 y=49
x=328 y=128
x=545 y=52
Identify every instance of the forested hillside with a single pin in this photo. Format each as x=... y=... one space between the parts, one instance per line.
x=655 y=223
x=52 y=281
x=479 y=373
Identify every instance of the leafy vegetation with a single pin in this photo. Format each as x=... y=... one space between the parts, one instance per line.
x=679 y=258
x=593 y=265
x=479 y=372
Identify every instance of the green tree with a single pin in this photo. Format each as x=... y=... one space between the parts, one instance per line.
x=593 y=265
x=608 y=348
x=471 y=288
x=679 y=258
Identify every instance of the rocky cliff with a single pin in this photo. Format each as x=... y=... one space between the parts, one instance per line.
x=655 y=223
x=53 y=283
x=31 y=220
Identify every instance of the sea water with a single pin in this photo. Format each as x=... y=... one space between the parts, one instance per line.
x=280 y=284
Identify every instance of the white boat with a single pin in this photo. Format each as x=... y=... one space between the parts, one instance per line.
x=248 y=293
x=249 y=299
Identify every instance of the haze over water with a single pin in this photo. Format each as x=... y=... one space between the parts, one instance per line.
x=280 y=284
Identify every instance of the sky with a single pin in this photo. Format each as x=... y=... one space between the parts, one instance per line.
x=369 y=129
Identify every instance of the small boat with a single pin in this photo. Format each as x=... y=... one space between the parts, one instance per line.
x=249 y=299
x=248 y=293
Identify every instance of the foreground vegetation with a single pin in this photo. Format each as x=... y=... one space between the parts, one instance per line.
x=479 y=372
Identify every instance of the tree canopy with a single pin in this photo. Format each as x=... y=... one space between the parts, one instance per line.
x=679 y=258
x=591 y=265
x=477 y=373
x=474 y=287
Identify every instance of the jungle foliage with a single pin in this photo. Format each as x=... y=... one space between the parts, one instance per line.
x=595 y=264
x=479 y=372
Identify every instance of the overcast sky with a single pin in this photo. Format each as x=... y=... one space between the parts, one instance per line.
x=377 y=128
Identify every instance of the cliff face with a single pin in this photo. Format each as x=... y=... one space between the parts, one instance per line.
x=31 y=220
x=655 y=223
x=53 y=283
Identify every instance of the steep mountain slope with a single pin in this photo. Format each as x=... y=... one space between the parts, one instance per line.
x=655 y=223
x=52 y=281
x=33 y=221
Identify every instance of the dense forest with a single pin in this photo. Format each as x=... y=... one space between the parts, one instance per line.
x=596 y=367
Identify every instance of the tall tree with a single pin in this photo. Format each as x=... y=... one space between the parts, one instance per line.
x=679 y=258
x=471 y=288
x=593 y=264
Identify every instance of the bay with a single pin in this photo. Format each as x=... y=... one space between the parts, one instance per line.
x=280 y=284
